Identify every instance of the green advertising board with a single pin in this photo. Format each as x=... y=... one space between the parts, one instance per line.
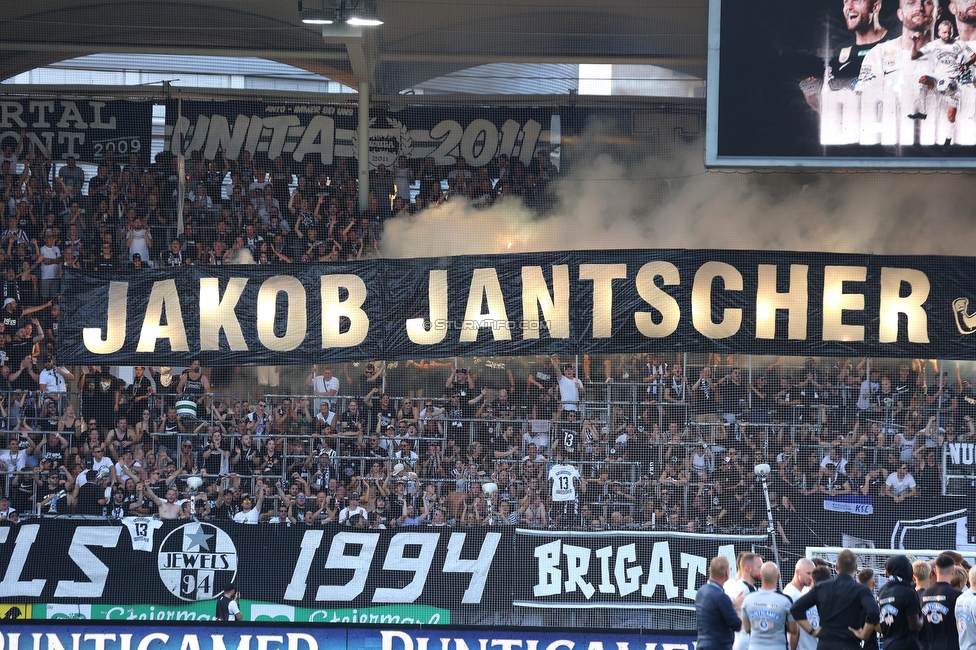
x=252 y=610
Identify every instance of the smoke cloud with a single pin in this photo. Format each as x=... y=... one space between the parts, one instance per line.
x=671 y=201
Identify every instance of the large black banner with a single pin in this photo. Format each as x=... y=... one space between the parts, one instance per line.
x=60 y=128
x=319 y=133
x=631 y=569
x=542 y=303
x=148 y=560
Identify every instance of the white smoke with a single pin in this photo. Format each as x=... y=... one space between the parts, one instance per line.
x=672 y=201
x=242 y=256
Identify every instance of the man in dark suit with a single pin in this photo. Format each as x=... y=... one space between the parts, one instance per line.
x=715 y=611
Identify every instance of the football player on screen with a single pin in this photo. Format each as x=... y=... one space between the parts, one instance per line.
x=833 y=96
x=951 y=62
x=889 y=81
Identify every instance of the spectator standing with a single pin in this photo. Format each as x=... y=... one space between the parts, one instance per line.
x=138 y=239
x=352 y=509
x=323 y=384
x=194 y=385
x=100 y=390
x=571 y=389
x=50 y=260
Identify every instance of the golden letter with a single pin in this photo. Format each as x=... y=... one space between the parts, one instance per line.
x=536 y=297
x=911 y=305
x=334 y=309
x=118 y=293
x=484 y=284
x=603 y=276
x=437 y=299
x=836 y=302
x=163 y=297
x=296 y=324
x=660 y=300
x=794 y=301
x=217 y=314
x=701 y=300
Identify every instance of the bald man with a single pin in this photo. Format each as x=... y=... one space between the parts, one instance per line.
x=800 y=584
x=766 y=616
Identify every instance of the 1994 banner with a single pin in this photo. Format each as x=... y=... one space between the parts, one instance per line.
x=510 y=305
x=180 y=564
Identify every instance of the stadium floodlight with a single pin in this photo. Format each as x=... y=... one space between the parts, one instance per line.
x=364 y=18
x=357 y=12
x=317 y=17
x=762 y=470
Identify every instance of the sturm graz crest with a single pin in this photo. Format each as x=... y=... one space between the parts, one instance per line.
x=196 y=560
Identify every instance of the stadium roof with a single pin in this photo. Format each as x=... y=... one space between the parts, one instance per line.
x=420 y=40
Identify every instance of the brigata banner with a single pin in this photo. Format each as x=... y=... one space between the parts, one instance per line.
x=618 y=569
x=59 y=128
x=299 y=567
x=187 y=636
x=320 y=133
x=748 y=302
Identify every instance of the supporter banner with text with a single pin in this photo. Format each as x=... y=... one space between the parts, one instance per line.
x=618 y=569
x=304 y=568
x=320 y=133
x=747 y=302
x=187 y=636
x=961 y=457
x=59 y=128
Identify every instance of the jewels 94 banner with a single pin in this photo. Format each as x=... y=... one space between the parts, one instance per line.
x=59 y=562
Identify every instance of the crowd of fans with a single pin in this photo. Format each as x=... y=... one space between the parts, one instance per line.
x=124 y=216
x=657 y=443
x=409 y=443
